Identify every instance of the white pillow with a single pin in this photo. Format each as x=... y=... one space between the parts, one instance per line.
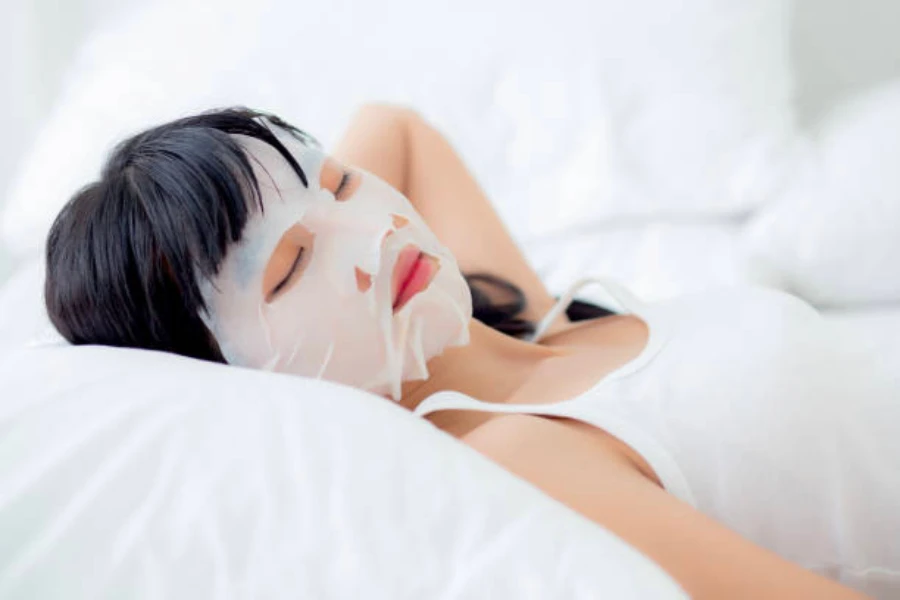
x=129 y=473
x=834 y=236
x=6 y=264
x=656 y=260
x=684 y=108
x=23 y=317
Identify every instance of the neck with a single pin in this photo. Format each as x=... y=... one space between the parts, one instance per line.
x=492 y=367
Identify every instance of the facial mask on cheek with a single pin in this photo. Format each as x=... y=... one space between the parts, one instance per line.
x=336 y=320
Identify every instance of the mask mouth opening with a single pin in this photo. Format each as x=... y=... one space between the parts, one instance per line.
x=413 y=273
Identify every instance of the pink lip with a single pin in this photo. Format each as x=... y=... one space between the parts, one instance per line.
x=412 y=273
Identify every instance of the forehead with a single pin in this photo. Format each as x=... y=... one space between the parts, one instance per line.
x=273 y=173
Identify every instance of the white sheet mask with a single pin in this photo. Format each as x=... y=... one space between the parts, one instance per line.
x=336 y=319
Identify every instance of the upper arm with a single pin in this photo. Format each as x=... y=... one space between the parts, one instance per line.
x=403 y=149
x=706 y=558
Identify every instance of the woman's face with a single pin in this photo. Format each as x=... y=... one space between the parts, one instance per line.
x=341 y=280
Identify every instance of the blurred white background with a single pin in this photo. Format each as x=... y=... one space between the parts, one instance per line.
x=839 y=47
x=37 y=41
x=518 y=86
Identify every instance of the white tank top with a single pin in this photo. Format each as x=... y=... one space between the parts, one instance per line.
x=748 y=406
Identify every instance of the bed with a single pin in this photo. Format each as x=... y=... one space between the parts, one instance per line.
x=672 y=149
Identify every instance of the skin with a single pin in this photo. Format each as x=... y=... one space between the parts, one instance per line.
x=582 y=466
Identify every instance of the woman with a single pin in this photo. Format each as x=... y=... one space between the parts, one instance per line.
x=722 y=435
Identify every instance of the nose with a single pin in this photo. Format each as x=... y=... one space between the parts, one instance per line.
x=363 y=278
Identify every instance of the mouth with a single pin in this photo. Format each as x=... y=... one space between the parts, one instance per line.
x=412 y=274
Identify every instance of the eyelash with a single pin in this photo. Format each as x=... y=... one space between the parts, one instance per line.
x=290 y=274
x=345 y=179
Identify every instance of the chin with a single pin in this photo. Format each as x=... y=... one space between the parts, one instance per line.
x=439 y=320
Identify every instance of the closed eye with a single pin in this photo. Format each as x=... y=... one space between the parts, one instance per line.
x=287 y=278
x=338 y=179
x=347 y=186
x=345 y=179
x=288 y=261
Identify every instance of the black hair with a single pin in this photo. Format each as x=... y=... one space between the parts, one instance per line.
x=126 y=255
x=498 y=303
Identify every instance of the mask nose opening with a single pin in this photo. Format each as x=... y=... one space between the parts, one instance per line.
x=399 y=221
x=363 y=280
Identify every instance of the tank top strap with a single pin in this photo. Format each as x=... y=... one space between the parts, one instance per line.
x=449 y=400
x=618 y=293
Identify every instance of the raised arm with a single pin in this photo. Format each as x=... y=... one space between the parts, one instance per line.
x=399 y=146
